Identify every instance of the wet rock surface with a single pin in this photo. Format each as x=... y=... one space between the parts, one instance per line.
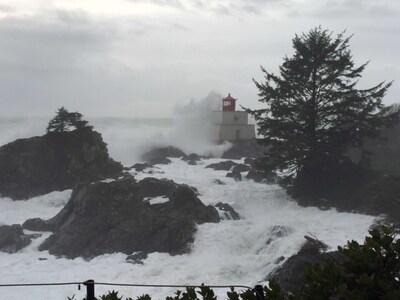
x=235 y=175
x=53 y=162
x=192 y=157
x=240 y=168
x=223 y=165
x=252 y=148
x=160 y=161
x=227 y=211
x=118 y=217
x=163 y=152
x=141 y=167
x=290 y=276
x=12 y=238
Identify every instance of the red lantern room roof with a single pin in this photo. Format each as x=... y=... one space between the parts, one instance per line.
x=228 y=103
x=230 y=98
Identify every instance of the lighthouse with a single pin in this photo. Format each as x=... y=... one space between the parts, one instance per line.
x=230 y=124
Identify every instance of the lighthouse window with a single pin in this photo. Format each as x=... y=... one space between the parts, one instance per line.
x=227 y=103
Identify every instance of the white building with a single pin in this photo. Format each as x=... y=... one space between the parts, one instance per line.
x=231 y=125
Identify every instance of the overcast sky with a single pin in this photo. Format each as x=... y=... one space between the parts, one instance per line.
x=140 y=58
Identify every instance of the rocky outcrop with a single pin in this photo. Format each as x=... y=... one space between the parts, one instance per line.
x=159 y=161
x=163 y=152
x=55 y=161
x=141 y=167
x=192 y=157
x=227 y=212
x=235 y=175
x=261 y=176
x=136 y=258
x=290 y=276
x=223 y=165
x=252 y=148
x=12 y=238
x=126 y=216
x=240 y=168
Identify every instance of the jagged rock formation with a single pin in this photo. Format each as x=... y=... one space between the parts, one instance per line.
x=223 y=165
x=252 y=148
x=290 y=275
x=235 y=175
x=12 y=238
x=55 y=161
x=141 y=167
x=227 y=211
x=159 y=161
x=192 y=157
x=125 y=216
x=163 y=152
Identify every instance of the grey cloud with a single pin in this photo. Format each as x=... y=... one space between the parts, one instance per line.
x=172 y=3
x=70 y=59
x=357 y=9
x=221 y=7
x=43 y=59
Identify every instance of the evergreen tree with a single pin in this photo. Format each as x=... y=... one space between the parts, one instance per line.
x=65 y=121
x=313 y=107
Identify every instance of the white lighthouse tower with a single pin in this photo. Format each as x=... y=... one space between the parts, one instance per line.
x=231 y=125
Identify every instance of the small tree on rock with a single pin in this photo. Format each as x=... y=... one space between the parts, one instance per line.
x=66 y=121
x=313 y=108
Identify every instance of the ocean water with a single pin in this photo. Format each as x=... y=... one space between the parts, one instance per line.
x=239 y=252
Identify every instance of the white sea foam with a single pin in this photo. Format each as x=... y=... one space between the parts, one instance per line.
x=231 y=252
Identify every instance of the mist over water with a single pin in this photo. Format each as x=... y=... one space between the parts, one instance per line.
x=12 y=128
x=192 y=127
x=128 y=138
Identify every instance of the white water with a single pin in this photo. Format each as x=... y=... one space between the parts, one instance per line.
x=231 y=252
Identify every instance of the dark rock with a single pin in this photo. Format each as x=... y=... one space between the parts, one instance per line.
x=252 y=148
x=191 y=157
x=277 y=231
x=137 y=258
x=141 y=167
x=192 y=162
x=223 y=165
x=37 y=224
x=255 y=175
x=240 y=168
x=261 y=176
x=235 y=175
x=217 y=181
x=279 y=259
x=159 y=161
x=228 y=212
x=163 y=152
x=55 y=161
x=12 y=238
x=113 y=217
x=290 y=276
x=250 y=161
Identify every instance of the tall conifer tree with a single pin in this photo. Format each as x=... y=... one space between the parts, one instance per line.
x=313 y=107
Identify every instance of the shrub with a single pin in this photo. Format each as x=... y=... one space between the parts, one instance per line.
x=66 y=121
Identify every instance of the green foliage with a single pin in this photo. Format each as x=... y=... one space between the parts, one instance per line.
x=369 y=271
x=313 y=108
x=113 y=295
x=65 y=121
